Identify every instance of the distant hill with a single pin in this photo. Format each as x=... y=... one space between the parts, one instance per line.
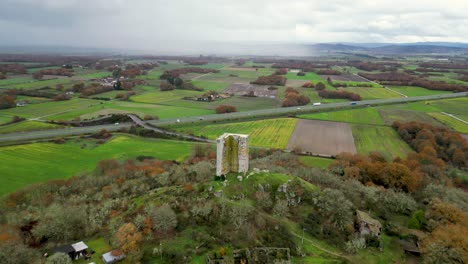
x=378 y=48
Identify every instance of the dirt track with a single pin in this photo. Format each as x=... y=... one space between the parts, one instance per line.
x=322 y=137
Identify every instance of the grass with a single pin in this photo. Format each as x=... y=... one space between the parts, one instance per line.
x=27 y=126
x=316 y=161
x=310 y=76
x=13 y=80
x=211 y=85
x=372 y=93
x=38 y=162
x=392 y=253
x=159 y=96
x=240 y=102
x=416 y=91
x=5 y=120
x=368 y=115
x=95 y=75
x=140 y=109
x=268 y=133
x=37 y=110
x=100 y=246
x=381 y=139
x=451 y=122
x=40 y=84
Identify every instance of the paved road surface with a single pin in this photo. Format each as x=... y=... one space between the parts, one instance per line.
x=24 y=136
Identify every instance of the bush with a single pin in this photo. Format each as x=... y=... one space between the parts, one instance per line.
x=225 y=109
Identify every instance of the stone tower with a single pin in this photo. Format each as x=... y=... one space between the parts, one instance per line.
x=232 y=154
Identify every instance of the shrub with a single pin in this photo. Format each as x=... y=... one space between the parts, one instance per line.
x=225 y=109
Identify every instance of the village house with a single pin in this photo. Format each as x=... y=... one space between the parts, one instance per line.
x=368 y=225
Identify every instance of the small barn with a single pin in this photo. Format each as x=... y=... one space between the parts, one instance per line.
x=80 y=249
x=113 y=256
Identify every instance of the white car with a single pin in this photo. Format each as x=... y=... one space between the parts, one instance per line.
x=178 y=121
x=116 y=124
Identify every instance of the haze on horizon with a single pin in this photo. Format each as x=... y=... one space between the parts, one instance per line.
x=184 y=25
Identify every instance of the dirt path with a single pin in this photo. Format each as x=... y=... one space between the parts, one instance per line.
x=454 y=117
x=324 y=249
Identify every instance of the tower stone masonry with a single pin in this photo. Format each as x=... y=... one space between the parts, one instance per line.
x=232 y=154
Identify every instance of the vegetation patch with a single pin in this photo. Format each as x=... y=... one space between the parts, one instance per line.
x=368 y=115
x=38 y=162
x=269 y=133
x=380 y=139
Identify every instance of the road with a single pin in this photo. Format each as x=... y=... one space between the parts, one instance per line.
x=218 y=117
x=143 y=124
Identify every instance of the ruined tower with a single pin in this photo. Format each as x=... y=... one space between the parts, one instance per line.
x=232 y=153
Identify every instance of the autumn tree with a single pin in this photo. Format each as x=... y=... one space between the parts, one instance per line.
x=7 y=101
x=128 y=238
x=446 y=244
x=221 y=109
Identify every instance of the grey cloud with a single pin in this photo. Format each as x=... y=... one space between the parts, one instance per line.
x=164 y=24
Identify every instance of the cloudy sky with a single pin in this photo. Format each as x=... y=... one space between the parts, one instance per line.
x=159 y=24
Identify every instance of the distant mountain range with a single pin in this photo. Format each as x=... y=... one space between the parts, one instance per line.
x=387 y=48
x=256 y=49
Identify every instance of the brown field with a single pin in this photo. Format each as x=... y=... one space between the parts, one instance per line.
x=345 y=78
x=245 y=88
x=322 y=138
x=295 y=83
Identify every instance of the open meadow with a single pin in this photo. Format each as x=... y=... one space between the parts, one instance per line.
x=384 y=140
x=368 y=115
x=39 y=162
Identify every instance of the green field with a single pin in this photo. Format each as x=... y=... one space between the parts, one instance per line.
x=159 y=96
x=316 y=161
x=382 y=139
x=242 y=103
x=40 y=84
x=95 y=75
x=451 y=122
x=38 y=110
x=268 y=133
x=211 y=85
x=38 y=162
x=122 y=107
x=416 y=91
x=13 y=80
x=368 y=93
x=26 y=126
x=368 y=115
x=5 y=120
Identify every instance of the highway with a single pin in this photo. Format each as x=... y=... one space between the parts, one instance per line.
x=73 y=131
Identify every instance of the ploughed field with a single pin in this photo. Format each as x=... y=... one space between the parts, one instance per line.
x=322 y=138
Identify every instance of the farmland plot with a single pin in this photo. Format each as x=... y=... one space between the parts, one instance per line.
x=268 y=133
x=322 y=138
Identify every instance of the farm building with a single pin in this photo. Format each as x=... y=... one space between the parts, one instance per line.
x=75 y=251
x=368 y=225
x=112 y=256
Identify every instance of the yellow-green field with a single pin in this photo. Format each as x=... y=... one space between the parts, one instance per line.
x=26 y=126
x=269 y=133
x=451 y=122
x=368 y=93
